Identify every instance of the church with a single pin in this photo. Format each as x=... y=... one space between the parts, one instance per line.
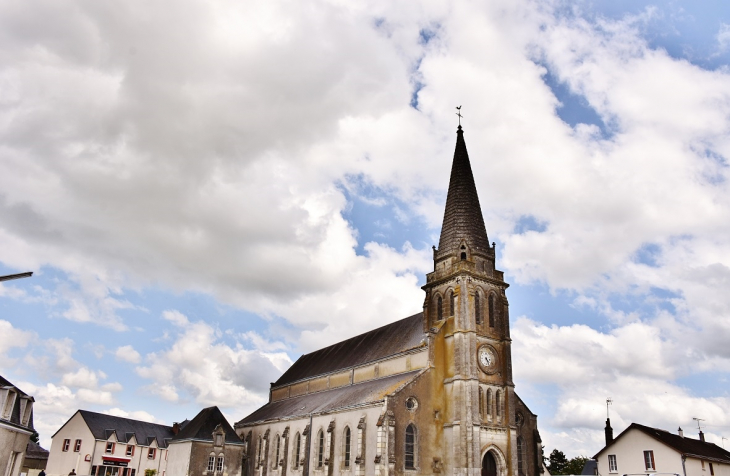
x=428 y=394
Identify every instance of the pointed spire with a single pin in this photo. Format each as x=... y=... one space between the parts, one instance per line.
x=463 y=216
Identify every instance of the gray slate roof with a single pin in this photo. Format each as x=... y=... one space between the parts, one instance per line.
x=682 y=444
x=379 y=343
x=463 y=215
x=202 y=426
x=102 y=426
x=352 y=395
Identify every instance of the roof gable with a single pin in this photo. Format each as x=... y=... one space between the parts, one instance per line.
x=377 y=344
x=204 y=424
x=682 y=444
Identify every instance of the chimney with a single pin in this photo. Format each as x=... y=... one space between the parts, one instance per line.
x=680 y=432
x=175 y=428
x=609 y=432
x=702 y=436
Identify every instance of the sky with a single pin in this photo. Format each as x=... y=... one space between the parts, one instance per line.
x=206 y=190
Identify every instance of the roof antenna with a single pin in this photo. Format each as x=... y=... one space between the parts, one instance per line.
x=698 y=420
x=609 y=401
x=458 y=113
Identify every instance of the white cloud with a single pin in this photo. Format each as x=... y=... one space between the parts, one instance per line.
x=135 y=415
x=128 y=354
x=200 y=366
x=723 y=37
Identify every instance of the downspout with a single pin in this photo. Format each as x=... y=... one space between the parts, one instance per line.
x=684 y=469
x=93 y=453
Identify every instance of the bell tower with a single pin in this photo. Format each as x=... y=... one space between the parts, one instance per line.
x=466 y=306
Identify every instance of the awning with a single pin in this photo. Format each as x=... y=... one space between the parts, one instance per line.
x=118 y=460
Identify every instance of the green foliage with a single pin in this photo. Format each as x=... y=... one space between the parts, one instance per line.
x=559 y=464
x=150 y=472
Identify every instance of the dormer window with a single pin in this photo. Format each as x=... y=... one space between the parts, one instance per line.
x=463 y=252
x=7 y=408
x=219 y=439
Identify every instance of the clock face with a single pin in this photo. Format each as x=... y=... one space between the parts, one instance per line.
x=487 y=358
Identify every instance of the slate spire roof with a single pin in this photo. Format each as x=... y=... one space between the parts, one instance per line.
x=463 y=215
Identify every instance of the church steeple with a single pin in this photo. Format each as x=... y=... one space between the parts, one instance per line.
x=463 y=222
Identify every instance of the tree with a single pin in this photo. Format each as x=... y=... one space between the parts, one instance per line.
x=557 y=462
x=575 y=465
x=150 y=472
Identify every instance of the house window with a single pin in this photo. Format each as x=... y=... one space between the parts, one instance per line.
x=649 y=460
x=77 y=446
x=219 y=440
x=151 y=453
x=520 y=456
x=211 y=463
x=109 y=448
x=219 y=464
x=66 y=444
x=297 y=444
x=320 y=448
x=491 y=310
x=130 y=450
x=477 y=309
x=612 y=465
x=410 y=449
x=347 y=447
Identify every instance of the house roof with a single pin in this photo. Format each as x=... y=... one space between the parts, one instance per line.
x=15 y=411
x=363 y=393
x=462 y=215
x=102 y=426
x=377 y=344
x=35 y=451
x=682 y=444
x=204 y=424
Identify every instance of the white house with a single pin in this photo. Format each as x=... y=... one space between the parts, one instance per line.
x=16 y=427
x=642 y=450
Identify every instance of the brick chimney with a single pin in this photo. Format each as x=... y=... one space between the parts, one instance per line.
x=702 y=436
x=175 y=428
x=680 y=432
x=609 y=432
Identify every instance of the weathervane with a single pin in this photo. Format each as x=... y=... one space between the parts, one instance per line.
x=458 y=113
x=609 y=401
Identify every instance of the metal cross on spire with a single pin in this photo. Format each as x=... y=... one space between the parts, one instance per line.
x=458 y=113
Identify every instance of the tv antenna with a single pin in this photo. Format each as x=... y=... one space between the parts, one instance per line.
x=609 y=401
x=698 y=420
x=723 y=442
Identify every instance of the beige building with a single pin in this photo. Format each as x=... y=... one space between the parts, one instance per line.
x=428 y=394
x=649 y=451
x=16 y=427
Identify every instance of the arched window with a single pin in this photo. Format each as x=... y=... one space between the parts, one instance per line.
x=410 y=449
x=477 y=308
x=297 y=444
x=520 y=456
x=320 y=448
x=491 y=310
x=219 y=464
x=489 y=410
x=258 y=457
x=452 y=303
x=278 y=448
x=347 y=446
x=481 y=403
x=498 y=404
x=211 y=462
x=440 y=308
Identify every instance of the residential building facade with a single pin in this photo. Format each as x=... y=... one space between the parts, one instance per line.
x=644 y=450
x=16 y=427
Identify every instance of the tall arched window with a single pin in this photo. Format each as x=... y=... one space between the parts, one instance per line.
x=491 y=310
x=489 y=410
x=440 y=308
x=211 y=462
x=481 y=404
x=498 y=404
x=297 y=445
x=219 y=464
x=320 y=448
x=410 y=449
x=258 y=457
x=347 y=447
x=278 y=448
x=520 y=456
x=452 y=303
x=477 y=308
